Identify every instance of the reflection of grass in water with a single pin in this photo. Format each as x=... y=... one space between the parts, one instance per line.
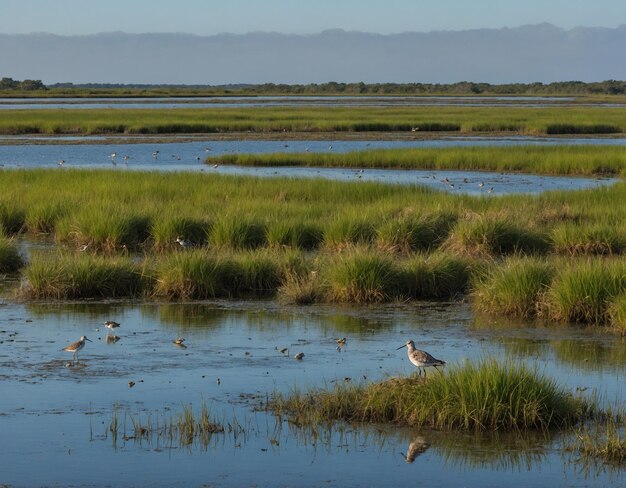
x=589 y=354
x=505 y=451
x=603 y=440
x=487 y=396
x=10 y=259
x=187 y=427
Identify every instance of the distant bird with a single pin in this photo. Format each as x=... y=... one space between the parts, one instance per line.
x=197 y=158
x=61 y=162
x=74 y=347
x=184 y=243
x=216 y=165
x=113 y=154
x=481 y=184
x=490 y=190
x=415 y=129
x=111 y=324
x=342 y=341
x=83 y=248
x=421 y=359
x=299 y=356
x=155 y=154
x=126 y=158
x=330 y=147
x=179 y=341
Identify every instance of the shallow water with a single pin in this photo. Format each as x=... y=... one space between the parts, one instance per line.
x=56 y=417
x=291 y=101
x=189 y=156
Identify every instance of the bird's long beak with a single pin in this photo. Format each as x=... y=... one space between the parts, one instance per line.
x=403 y=345
x=88 y=340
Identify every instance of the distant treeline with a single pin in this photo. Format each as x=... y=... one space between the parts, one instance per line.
x=26 y=85
x=607 y=87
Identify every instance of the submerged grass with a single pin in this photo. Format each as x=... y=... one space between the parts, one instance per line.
x=483 y=396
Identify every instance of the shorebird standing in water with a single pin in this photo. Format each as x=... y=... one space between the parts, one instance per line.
x=111 y=324
x=74 y=347
x=421 y=359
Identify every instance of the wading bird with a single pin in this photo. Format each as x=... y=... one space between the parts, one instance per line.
x=74 y=347
x=421 y=359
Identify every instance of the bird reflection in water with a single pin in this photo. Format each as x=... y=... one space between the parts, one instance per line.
x=417 y=447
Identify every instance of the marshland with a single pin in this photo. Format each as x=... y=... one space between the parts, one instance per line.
x=522 y=293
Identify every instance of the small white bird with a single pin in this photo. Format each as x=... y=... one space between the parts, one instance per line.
x=111 y=324
x=421 y=359
x=299 y=356
x=184 y=243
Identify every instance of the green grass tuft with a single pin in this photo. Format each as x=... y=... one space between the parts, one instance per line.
x=482 y=396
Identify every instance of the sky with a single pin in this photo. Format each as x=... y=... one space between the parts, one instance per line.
x=210 y=17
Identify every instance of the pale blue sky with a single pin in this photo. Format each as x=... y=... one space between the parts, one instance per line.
x=208 y=17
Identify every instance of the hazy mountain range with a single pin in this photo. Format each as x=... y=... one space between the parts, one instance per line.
x=524 y=54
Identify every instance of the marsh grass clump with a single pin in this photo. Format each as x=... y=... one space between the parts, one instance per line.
x=304 y=288
x=167 y=228
x=582 y=292
x=10 y=258
x=436 y=276
x=348 y=230
x=604 y=439
x=202 y=274
x=259 y=274
x=106 y=230
x=483 y=396
x=514 y=287
x=12 y=219
x=363 y=276
x=84 y=276
x=577 y=239
x=410 y=233
x=291 y=233
x=42 y=218
x=235 y=232
x=617 y=312
x=483 y=236
x=195 y=274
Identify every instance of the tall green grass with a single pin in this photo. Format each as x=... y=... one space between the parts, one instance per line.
x=562 y=159
x=70 y=276
x=580 y=120
x=583 y=291
x=409 y=233
x=482 y=396
x=362 y=276
x=514 y=287
x=493 y=236
x=436 y=277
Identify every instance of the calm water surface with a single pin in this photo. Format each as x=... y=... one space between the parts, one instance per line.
x=188 y=156
x=286 y=101
x=56 y=417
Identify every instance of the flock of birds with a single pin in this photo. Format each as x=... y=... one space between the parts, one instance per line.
x=155 y=155
x=420 y=359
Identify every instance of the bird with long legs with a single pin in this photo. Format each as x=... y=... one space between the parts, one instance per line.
x=74 y=347
x=421 y=359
